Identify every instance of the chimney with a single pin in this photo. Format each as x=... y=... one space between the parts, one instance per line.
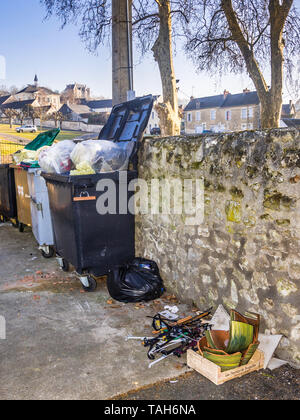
x=191 y=98
x=226 y=92
x=246 y=90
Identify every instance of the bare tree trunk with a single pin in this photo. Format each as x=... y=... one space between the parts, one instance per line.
x=278 y=15
x=162 y=50
x=270 y=98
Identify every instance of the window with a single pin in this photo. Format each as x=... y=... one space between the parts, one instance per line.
x=189 y=117
x=244 y=113
x=250 y=112
x=244 y=126
x=152 y=115
x=198 y=116
x=213 y=114
x=250 y=126
x=198 y=105
x=228 y=115
x=204 y=126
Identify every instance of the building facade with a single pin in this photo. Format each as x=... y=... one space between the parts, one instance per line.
x=41 y=96
x=223 y=113
x=76 y=92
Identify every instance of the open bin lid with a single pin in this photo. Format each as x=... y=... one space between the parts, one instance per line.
x=128 y=121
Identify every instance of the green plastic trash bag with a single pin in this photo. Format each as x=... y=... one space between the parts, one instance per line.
x=44 y=139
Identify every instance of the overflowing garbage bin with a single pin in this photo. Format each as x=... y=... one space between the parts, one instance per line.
x=25 y=159
x=93 y=241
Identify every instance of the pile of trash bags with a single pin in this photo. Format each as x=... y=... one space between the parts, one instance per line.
x=87 y=157
x=57 y=158
x=31 y=152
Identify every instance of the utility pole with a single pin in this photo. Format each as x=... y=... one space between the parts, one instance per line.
x=122 y=62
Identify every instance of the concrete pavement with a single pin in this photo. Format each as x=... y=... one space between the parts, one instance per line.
x=65 y=344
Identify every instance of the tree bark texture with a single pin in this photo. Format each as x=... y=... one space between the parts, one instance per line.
x=162 y=51
x=270 y=97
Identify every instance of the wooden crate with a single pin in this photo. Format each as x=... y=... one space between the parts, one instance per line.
x=213 y=372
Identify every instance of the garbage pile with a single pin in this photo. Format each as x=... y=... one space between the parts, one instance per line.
x=68 y=158
x=174 y=337
x=233 y=348
x=57 y=158
x=86 y=158
x=101 y=156
x=29 y=156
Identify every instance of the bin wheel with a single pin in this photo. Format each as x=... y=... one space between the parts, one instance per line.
x=92 y=284
x=49 y=254
x=21 y=227
x=65 y=266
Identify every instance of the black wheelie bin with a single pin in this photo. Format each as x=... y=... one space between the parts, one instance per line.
x=8 y=203
x=94 y=243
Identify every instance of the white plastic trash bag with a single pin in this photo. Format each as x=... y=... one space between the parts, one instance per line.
x=103 y=155
x=57 y=158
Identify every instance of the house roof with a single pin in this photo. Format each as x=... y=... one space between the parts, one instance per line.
x=241 y=99
x=72 y=86
x=291 y=122
x=4 y=98
x=205 y=102
x=33 y=89
x=17 y=104
x=222 y=101
x=77 y=109
x=106 y=103
x=101 y=103
x=287 y=110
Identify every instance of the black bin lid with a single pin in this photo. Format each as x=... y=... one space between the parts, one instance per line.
x=128 y=121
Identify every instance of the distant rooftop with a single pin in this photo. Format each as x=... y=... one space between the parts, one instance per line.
x=101 y=103
x=78 y=109
x=225 y=100
x=4 y=98
x=286 y=110
x=292 y=122
x=17 y=104
x=34 y=88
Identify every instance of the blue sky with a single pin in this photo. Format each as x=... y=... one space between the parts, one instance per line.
x=32 y=46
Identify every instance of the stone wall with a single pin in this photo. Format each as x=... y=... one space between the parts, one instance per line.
x=246 y=254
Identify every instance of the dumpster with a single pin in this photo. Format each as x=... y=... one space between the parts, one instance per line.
x=8 y=204
x=40 y=212
x=23 y=197
x=94 y=243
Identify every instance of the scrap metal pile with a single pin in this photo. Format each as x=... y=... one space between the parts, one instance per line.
x=174 y=337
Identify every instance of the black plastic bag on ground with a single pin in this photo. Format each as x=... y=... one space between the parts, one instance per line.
x=135 y=282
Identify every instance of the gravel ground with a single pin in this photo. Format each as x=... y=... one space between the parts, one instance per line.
x=280 y=384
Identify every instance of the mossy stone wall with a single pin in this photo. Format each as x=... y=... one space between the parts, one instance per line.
x=246 y=253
